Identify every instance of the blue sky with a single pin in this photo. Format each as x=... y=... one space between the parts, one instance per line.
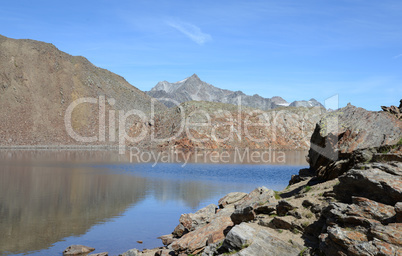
x=293 y=49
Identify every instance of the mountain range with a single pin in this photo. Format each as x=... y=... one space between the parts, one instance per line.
x=39 y=84
x=193 y=88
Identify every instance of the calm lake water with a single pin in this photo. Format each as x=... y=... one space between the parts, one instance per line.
x=52 y=199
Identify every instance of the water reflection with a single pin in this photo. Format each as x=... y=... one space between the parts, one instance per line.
x=42 y=205
x=47 y=197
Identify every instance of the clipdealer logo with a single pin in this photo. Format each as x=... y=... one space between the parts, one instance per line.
x=186 y=123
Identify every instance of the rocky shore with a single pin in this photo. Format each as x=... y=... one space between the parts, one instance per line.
x=349 y=202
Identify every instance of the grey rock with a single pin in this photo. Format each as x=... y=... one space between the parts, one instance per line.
x=283 y=222
x=167 y=239
x=192 y=221
x=76 y=250
x=211 y=250
x=231 y=198
x=131 y=252
x=195 y=241
x=256 y=240
x=245 y=208
x=381 y=182
x=99 y=254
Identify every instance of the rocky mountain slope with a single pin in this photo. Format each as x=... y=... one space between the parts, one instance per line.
x=37 y=84
x=211 y=125
x=355 y=211
x=192 y=88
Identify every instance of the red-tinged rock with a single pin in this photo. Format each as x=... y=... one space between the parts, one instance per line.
x=370 y=209
x=341 y=132
x=381 y=182
x=391 y=233
x=211 y=233
x=192 y=221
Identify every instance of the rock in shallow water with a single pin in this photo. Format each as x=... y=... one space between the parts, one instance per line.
x=76 y=250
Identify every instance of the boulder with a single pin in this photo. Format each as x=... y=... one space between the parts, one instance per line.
x=252 y=239
x=231 y=198
x=192 y=221
x=365 y=227
x=283 y=222
x=245 y=208
x=165 y=252
x=211 y=233
x=381 y=182
x=132 y=252
x=167 y=239
x=283 y=207
x=341 y=241
x=76 y=250
x=99 y=254
x=341 y=132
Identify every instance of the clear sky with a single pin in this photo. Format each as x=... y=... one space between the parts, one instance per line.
x=293 y=49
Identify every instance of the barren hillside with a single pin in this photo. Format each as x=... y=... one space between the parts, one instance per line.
x=37 y=84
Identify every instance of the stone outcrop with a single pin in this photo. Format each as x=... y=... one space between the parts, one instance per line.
x=211 y=233
x=340 y=133
x=378 y=181
x=397 y=111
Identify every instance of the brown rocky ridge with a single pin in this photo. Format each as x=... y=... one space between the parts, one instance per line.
x=37 y=84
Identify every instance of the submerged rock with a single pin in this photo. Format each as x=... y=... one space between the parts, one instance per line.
x=132 y=252
x=76 y=250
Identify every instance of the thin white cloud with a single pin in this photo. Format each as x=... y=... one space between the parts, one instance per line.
x=398 y=56
x=191 y=31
